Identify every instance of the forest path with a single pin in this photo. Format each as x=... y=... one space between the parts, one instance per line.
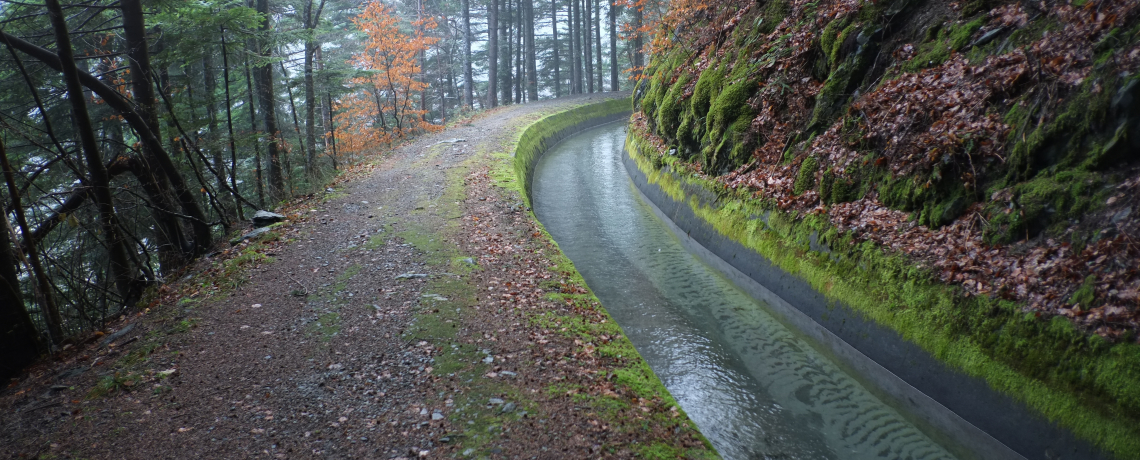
x=343 y=342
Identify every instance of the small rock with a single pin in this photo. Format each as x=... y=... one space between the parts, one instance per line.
x=264 y=218
x=496 y=401
x=488 y=360
x=436 y=416
x=508 y=408
x=468 y=451
x=113 y=337
x=423 y=411
x=249 y=236
x=508 y=373
x=411 y=275
x=1123 y=214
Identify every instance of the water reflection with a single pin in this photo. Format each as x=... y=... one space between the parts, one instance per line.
x=755 y=389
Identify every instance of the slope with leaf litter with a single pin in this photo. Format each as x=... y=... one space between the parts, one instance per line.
x=987 y=147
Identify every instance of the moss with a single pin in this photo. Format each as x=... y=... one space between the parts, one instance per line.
x=835 y=93
x=1086 y=294
x=1084 y=383
x=774 y=12
x=707 y=87
x=728 y=118
x=834 y=54
x=669 y=110
x=941 y=42
x=805 y=177
x=1037 y=205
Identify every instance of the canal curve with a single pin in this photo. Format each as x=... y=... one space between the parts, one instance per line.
x=754 y=387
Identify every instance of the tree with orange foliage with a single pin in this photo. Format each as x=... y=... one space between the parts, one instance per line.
x=382 y=109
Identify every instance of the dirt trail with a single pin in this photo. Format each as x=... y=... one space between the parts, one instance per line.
x=404 y=314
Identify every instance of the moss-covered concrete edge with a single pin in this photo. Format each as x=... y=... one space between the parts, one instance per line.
x=534 y=141
x=543 y=134
x=886 y=289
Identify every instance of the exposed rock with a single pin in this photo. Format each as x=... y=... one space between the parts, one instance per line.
x=249 y=236
x=264 y=218
x=116 y=335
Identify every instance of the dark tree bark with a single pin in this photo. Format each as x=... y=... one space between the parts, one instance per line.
x=638 y=54
x=121 y=271
x=296 y=123
x=557 y=64
x=614 y=86
x=156 y=158
x=332 y=129
x=19 y=343
x=505 y=66
x=492 y=53
x=598 y=45
x=265 y=95
x=576 y=34
x=210 y=83
x=311 y=20
x=531 y=54
x=43 y=284
x=520 y=72
x=588 y=40
x=423 y=67
x=256 y=145
x=230 y=127
x=468 y=79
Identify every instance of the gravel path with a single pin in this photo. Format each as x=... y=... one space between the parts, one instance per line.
x=403 y=314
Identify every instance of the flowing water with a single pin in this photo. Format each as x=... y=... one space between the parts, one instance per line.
x=754 y=388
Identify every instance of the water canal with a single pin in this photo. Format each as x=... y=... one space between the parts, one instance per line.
x=755 y=388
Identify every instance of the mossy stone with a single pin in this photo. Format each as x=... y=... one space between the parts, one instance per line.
x=1086 y=294
x=805 y=177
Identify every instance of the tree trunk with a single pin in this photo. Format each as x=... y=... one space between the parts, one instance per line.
x=531 y=55
x=296 y=124
x=43 y=284
x=19 y=342
x=423 y=66
x=598 y=45
x=230 y=126
x=468 y=79
x=332 y=131
x=210 y=85
x=588 y=40
x=493 y=52
x=520 y=73
x=121 y=271
x=311 y=21
x=505 y=65
x=557 y=70
x=638 y=55
x=135 y=33
x=171 y=242
x=576 y=33
x=266 y=96
x=614 y=86
x=256 y=143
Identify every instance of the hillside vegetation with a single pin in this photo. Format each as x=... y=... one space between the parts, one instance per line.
x=970 y=169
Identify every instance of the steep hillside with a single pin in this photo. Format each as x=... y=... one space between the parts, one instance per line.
x=986 y=151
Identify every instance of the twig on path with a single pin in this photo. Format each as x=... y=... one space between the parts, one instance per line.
x=295 y=280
